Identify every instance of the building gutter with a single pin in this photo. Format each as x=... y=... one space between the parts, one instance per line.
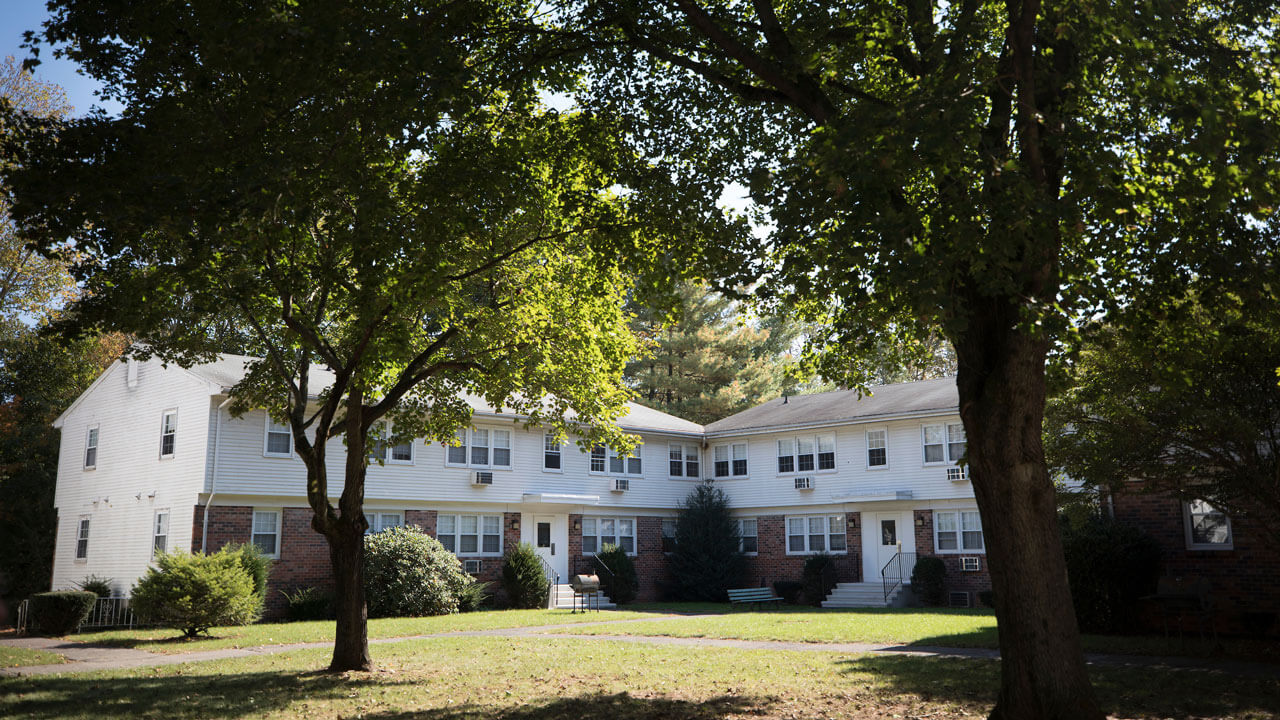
x=213 y=475
x=860 y=420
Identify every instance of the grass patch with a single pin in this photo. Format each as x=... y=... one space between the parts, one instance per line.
x=16 y=657
x=164 y=640
x=464 y=678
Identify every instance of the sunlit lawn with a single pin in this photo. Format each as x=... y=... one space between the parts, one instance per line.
x=544 y=678
x=15 y=657
x=170 y=641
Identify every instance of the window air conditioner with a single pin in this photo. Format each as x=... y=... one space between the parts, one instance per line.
x=958 y=599
x=621 y=484
x=804 y=483
x=957 y=474
x=482 y=478
x=471 y=567
x=970 y=564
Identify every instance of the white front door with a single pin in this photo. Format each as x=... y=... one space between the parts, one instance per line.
x=549 y=535
x=885 y=534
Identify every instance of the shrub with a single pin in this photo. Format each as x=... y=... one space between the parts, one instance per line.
x=819 y=577
x=523 y=580
x=308 y=603
x=474 y=595
x=194 y=592
x=617 y=574
x=1109 y=566
x=408 y=573
x=987 y=598
x=58 y=613
x=928 y=580
x=99 y=586
x=789 y=590
x=256 y=563
x=706 y=561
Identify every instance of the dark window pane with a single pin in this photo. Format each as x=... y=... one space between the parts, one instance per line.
x=491 y=543
x=739 y=467
x=691 y=469
x=544 y=534
x=749 y=544
x=551 y=461
x=676 y=468
x=876 y=457
x=806 y=463
x=722 y=468
x=888 y=532
x=786 y=464
x=458 y=455
x=826 y=461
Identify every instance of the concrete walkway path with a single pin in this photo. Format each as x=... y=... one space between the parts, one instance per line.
x=83 y=657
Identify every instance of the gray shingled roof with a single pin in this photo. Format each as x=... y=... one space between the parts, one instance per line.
x=838 y=405
x=228 y=370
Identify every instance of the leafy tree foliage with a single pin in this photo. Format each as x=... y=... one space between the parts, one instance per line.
x=1110 y=567
x=1185 y=401
x=374 y=192
x=993 y=170
x=707 y=561
x=410 y=574
x=708 y=362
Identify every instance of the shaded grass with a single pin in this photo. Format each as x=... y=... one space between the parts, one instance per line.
x=16 y=657
x=541 y=679
x=164 y=640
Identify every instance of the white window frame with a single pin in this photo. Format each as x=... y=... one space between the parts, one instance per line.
x=815 y=446
x=690 y=454
x=948 y=439
x=468 y=436
x=742 y=534
x=83 y=525
x=829 y=522
x=610 y=456
x=377 y=520
x=277 y=532
x=596 y=522
x=92 y=441
x=160 y=529
x=455 y=537
x=384 y=452
x=169 y=430
x=271 y=427
x=550 y=449
x=962 y=547
x=1188 y=520
x=731 y=455
x=885 y=433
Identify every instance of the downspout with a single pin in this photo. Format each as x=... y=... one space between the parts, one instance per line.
x=213 y=472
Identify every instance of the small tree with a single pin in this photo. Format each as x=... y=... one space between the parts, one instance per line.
x=618 y=578
x=707 y=561
x=408 y=573
x=194 y=592
x=523 y=579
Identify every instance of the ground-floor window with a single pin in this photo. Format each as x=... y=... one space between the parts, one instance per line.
x=815 y=533
x=160 y=533
x=379 y=521
x=600 y=531
x=668 y=535
x=1208 y=528
x=266 y=531
x=82 y=538
x=957 y=530
x=470 y=534
x=747 y=540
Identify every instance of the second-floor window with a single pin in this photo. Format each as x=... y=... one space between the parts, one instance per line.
x=91 y=448
x=807 y=453
x=730 y=460
x=550 y=453
x=380 y=449
x=683 y=460
x=877 y=449
x=943 y=442
x=602 y=457
x=160 y=533
x=470 y=534
x=480 y=447
x=168 y=433
x=279 y=439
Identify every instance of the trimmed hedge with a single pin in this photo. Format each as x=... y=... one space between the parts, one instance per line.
x=523 y=580
x=928 y=580
x=408 y=573
x=59 y=613
x=195 y=592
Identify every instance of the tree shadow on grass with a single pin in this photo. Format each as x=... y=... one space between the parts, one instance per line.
x=242 y=695
x=1131 y=692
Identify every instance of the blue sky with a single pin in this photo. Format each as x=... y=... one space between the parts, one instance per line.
x=21 y=15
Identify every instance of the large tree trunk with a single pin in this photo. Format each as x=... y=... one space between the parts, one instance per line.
x=1002 y=394
x=351 y=643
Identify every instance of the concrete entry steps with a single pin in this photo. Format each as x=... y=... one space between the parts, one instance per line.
x=562 y=599
x=861 y=595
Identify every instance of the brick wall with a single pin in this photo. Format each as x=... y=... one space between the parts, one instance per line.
x=1243 y=580
x=957 y=580
x=772 y=563
x=650 y=562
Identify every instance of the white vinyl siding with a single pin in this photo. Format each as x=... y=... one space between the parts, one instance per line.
x=485 y=448
x=600 y=531
x=1207 y=528
x=470 y=534
x=266 y=531
x=815 y=533
x=957 y=531
x=942 y=443
x=730 y=460
x=160 y=533
x=278 y=439
x=168 y=433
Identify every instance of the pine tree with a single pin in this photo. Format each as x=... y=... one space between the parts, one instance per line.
x=707 y=560
x=709 y=362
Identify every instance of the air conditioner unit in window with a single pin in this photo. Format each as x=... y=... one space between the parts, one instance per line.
x=804 y=483
x=970 y=564
x=621 y=484
x=482 y=478
x=957 y=474
x=471 y=567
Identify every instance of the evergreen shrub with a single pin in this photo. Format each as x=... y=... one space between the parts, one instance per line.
x=617 y=574
x=707 y=561
x=59 y=613
x=928 y=580
x=308 y=603
x=1109 y=566
x=100 y=586
x=523 y=579
x=195 y=592
x=789 y=590
x=408 y=573
x=819 y=577
x=256 y=563
x=474 y=596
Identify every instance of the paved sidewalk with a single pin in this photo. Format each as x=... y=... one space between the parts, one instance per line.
x=83 y=657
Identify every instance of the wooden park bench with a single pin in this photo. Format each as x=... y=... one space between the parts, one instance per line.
x=754 y=596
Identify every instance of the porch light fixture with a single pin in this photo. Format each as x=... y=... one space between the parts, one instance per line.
x=853 y=524
x=515 y=524
x=919 y=521
x=577 y=525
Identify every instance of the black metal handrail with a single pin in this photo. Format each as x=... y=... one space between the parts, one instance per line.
x=553 y=580
x=892 y=575
x=601 y=564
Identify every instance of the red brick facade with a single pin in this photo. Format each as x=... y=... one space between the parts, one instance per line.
x=958 y=580
x=772 y=563
x=1244 y=580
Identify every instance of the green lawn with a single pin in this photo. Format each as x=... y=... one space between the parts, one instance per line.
x=164 y=640
x=15 y=657
x=544 y=679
